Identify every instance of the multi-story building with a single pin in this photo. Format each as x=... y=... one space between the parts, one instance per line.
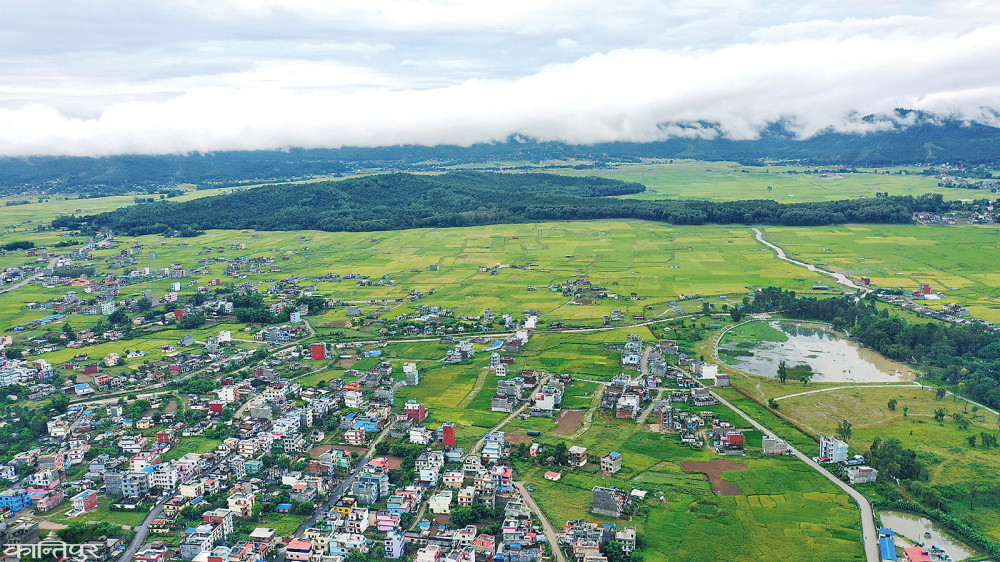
x=833 y=449
x=612 y=463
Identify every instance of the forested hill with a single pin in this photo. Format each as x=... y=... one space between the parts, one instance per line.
x=929 y=141
x=400 y=201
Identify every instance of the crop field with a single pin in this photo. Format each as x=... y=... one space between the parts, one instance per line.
x=954 y=260
x=684 y=519
x=729 y=181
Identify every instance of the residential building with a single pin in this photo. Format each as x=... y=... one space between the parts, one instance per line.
x=612 y=463
x=394 y=545
x=84 y=501
x=771 y=445
x=577 y=456
x=861 y=474
x=441 y=502
x=832 y=449
x=609 y=501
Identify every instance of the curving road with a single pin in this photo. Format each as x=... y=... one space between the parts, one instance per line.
x=839 y=277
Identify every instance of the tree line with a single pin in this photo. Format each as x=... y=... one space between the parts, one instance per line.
x=402 y=201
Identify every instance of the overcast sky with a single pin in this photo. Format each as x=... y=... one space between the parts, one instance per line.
x=95 y=77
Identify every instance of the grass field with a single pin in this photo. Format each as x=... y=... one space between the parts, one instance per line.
x=101 y=513
x=191 y=445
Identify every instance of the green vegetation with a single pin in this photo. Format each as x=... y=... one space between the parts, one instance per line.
x=473 y=198
x=950 y=259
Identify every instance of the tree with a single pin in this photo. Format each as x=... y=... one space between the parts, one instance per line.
x=905 y=410
x=561 y=453
x=845 y=430
x=940 y=393
x=892 y=404
x=772 y=403
x=736 y=314
x=939 y=414
x=60 y=403
x=782 y=371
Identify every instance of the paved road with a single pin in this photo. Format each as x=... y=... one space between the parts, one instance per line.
x=334 y=496
x=869 y=533
x=141 y=531
x=26 y=280
x=550 y=533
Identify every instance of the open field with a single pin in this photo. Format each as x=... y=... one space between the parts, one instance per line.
x=729 y=181
x=101 y=513
x=905 y=256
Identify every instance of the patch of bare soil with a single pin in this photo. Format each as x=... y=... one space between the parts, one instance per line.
x=569 y=421
x=714 y=469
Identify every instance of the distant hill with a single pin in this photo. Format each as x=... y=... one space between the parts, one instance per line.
x=927 y=141
x=400 y=201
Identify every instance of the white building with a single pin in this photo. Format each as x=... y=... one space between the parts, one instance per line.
x=833 y=449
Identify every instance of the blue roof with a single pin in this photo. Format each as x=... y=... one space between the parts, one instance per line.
x=284 y=506
x=886 y=531
x=888 y=548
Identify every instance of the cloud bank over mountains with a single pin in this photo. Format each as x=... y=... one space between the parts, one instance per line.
x=116 y=77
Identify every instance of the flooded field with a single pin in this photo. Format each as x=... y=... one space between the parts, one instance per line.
x=832 y=357
x=912 y=527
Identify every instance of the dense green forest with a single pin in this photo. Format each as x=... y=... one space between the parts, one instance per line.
x=966 y=356
x=401 y=201
x=928 y=141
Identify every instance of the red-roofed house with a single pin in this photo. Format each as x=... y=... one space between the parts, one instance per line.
x=298 y=550
x=917 y=554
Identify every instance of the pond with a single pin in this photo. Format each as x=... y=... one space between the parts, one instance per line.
x=832 y=357
x=912 y=527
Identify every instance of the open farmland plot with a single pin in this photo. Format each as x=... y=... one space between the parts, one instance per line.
x=946 y=257
x=729 y=181
x=788 y=508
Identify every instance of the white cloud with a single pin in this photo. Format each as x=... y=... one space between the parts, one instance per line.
x=265 y=74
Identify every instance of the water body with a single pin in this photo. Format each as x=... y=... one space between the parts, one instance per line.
x=912 y=527
x=832 y=357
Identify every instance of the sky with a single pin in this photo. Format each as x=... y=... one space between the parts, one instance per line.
x=101 y=77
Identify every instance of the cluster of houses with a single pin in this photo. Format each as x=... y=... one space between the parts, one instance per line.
x=587 y=541
x=544 y=392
